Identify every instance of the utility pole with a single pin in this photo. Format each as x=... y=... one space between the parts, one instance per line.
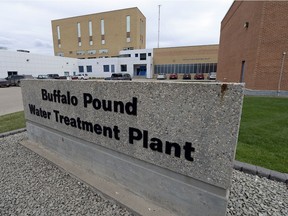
x=158 y=26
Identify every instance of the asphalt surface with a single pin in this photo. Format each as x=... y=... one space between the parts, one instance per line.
x=10 y=100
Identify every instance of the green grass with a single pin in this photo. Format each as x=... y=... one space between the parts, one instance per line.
x=263 y=136
x=12 y=121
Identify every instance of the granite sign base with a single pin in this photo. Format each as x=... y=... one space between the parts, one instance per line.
x=170 y=142
x=179 y=194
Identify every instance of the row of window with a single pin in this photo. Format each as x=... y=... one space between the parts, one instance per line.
x=185 y=68
x=88 y=69
x=90 y=52
x=143 y=56
x=90 y=31
x=163 y=69
x=106 y=68
x=109 y=68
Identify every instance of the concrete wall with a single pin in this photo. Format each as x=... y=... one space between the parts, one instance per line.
x=168 y=144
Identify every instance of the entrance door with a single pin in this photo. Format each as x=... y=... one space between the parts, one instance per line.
x=242 y=72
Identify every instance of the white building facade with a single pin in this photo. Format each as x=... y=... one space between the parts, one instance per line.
x=33 y=64
x=135 y=62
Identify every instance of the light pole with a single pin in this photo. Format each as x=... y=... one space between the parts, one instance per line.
x=281 y=73
x=158 y=26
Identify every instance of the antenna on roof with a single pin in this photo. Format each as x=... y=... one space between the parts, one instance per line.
x=158 y=26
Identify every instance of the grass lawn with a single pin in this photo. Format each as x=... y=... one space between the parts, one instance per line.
x=263 y=136
x=12 y=121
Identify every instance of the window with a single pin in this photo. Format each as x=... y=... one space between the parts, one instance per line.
x=90 y=33
x=106 y=68
x=102 y=27
x=102 y=32
x=91 y=52
x=128 y=37
x=149 y=54
x=123 y=68
x=127 y=23
x=79 y=34
x=90 y=28
x=79 y=41
x=81 y=69
x=58 y=32
x=112 y=68
x=185 y=68
x=58 y=36
x=142 y=56
x=136 y=55
x=89 y=68
x=102 y=51
x=80 y=52
x=125 y=55
x=78 y=30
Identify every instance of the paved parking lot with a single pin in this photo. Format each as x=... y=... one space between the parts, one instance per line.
x=10 y=100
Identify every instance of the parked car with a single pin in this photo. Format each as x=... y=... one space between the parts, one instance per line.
x=53 y=76
x=4 y=83
x=173 y=76
x=212 y=76
x=80 y=77
x=199 y=76
x=63 y=77
x=187 y=76
x=161 y=77
x=42 y=77
x=119 y=76
x=14 y=80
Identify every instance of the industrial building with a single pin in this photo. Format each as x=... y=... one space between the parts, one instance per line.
x=187 y=59
x=134 y=62
x=104 y=43
x=254 y=44
x=99 y=35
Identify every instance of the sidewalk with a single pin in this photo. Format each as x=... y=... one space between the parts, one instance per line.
x=10 y=100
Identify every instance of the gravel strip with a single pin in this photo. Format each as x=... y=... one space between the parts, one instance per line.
x=30 y=185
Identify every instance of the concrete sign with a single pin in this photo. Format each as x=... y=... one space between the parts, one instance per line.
x=181 y=135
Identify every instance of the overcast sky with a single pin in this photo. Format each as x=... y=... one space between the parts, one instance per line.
x=26 y=24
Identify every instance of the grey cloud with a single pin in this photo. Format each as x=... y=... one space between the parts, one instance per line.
x=6 y=41
x=42 y=44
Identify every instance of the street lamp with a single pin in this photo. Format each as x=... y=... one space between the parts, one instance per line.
x=281 y=73
x=158 y=26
